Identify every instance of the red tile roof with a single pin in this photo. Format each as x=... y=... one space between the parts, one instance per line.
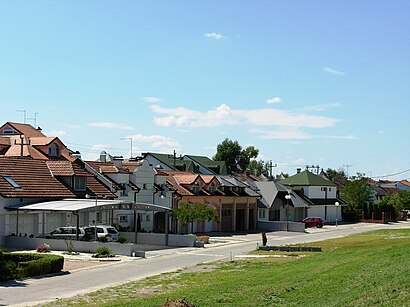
x=34 y=178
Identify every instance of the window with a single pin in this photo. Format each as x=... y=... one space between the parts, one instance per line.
x=98 y=217
x=8 y=131
x=54 y=150
x=144 y=186
x=212 y=189
x=274 y=215
x=195 y=189
x=262 y=213
x=12 y=182
x=226 y=212
x=123 y=218
x=80 y=183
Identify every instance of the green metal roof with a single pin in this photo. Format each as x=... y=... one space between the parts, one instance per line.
x=219 y=167
x=306 y=178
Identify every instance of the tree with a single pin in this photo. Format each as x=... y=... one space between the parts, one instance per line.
x=258 y=167
x=358 y=194
x=194 y=212
x=396 y=201
x=236 y=158
x=335 y=174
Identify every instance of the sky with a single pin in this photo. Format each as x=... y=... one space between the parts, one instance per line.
x=306 y=82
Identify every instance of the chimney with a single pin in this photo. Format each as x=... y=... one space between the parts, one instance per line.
x=103 y=156
x=39 y=129
x=298 y=170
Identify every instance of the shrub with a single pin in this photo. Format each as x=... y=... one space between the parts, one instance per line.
x=103 y=252
x=121 y=240
x=103 y=239
x=19 y=265
x=43 y=248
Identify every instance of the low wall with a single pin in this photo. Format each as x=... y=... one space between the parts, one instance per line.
x=281 y=226
x=79 y=246
x=159 y=239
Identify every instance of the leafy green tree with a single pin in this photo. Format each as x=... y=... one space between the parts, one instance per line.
x=258 y=167
x=358 y=194
x=396 y=201
x=236 y=158
x=194 y=212
x=335 y=174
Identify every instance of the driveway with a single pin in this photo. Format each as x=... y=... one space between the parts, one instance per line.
x=31 y=291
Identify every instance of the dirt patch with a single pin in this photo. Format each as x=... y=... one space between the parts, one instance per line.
x=72 y=265
x=176 y=303
x=200 y=268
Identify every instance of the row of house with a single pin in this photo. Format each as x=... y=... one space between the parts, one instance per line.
x=138 y=194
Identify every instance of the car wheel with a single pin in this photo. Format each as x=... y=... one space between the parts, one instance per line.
x=319 y=226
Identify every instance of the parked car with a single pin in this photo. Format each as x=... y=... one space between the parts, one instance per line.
x=108 y=232
x=70 y=233
x=313 y=221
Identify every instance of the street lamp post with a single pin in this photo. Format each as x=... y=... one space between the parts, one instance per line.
x=287 y=210
x=337 y=212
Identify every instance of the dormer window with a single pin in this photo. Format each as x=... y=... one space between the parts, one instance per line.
x=212 y=189
x=195 y=189
x=54 y=150
x=8 y=131
x=80 y=183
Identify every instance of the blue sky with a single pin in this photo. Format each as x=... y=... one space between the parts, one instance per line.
x=306 y=82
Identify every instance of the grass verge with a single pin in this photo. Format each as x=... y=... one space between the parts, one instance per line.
x=367 y=269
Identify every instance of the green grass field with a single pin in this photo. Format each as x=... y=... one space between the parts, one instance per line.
x=369 y=269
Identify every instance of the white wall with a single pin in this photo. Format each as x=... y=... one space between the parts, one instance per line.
x=315 y=192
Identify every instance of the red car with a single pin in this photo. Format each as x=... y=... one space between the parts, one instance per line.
x=313 y=221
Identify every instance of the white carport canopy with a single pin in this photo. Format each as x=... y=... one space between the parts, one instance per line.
x=84 y=205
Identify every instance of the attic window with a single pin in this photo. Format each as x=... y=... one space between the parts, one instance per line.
x=195 y=189
x=12 y=182
x=8 y=131
x=212 y=189
x=54 y=150
x=80 y=183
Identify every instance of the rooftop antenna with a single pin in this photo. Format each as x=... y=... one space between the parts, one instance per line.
x=34 y=118
x=25 y=114
x=128 y=138
x=347 y=169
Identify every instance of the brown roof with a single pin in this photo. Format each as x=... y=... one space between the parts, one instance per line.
x=405 y=182
x=33 y=177
x=131 y=166
x=97 y=188
x=35 y=141
x=26 y=129
x=107 y=167
x=186 y=178
x=60 y=168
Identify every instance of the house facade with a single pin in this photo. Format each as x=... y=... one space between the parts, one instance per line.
x=319 y=193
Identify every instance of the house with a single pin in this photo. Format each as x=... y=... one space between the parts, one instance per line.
x=321 y=195
x=234 y=202
x=136 y=181
x=186 y=163
x=273 y=205
x=25 y=181
x=35 y=168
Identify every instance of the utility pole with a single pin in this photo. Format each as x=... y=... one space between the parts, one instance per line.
x=129 y=138
x=271 y=166
x=174 y=157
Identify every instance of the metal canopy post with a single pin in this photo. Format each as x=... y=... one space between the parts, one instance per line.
x=77 y=230
x=17 y=223
x=166 y=227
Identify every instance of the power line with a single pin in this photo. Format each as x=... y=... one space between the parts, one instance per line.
x=390 y=175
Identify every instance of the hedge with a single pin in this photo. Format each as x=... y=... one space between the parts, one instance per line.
x=20 y=265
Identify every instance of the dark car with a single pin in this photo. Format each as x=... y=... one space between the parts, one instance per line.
x=313 y=221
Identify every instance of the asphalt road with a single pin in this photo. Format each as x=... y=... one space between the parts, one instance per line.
x=33 y=291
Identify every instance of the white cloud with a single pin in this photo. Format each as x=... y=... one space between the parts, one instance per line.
x=224 y=115
x=333 y=71
x=294 y=133
x=56 y=133
x=152 y=99
x=322 y=107
x=157 y=142
x=216 y=36
x=100 y=147
x=273 y=100
x=110 y=125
